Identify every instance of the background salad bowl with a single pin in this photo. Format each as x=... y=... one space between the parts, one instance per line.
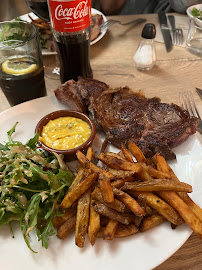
x=192 y=14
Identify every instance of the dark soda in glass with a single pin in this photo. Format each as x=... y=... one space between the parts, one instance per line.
x=19 y=88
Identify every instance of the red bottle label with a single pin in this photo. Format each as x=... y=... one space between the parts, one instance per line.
x=70 y=16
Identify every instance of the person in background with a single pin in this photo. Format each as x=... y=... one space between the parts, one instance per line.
x=124 y=7
x=9 y=9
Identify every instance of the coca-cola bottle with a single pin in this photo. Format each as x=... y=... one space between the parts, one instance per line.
x=70 y=21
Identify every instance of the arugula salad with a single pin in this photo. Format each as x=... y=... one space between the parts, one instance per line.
x=33 y=182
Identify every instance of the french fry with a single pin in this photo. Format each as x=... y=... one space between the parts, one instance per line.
x=94 y=224
x=78 y=178
x=160 y=206
x=183 y=209
x=151 y=222
x=116 y=205
x=117 y=155
x=104 y=221
x=110 y=213
x=125 y=230
x=118 y=163
x=83 y=160
x=179 y=204
x=120 y=173
x=155 y=173
x=126 y=153
x=58 y=221
x=185 y=197
x=121 y=231
x=106 y=190
x=161 y=164
x=66 y=228
x=129 y=201
x=75 y=193
x=120 y=182
x=82 y=218
x=104 y=145
x=194 y=207
x=90 y=154
x=144 y=175
x=110 y=230
x=157 y=185
x=137 y=153
x=148 y=209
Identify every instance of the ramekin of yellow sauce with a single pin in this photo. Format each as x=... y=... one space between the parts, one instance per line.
x=65 y=133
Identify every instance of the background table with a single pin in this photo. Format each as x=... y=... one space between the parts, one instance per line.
x=112 y=62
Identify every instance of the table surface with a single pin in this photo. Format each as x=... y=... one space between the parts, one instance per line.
x=112 y=62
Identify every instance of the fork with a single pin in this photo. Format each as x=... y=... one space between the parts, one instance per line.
x=187 y=102
x=177 y=33
x=109 y=23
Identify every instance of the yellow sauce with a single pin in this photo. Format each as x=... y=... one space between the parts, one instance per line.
x=65 y=133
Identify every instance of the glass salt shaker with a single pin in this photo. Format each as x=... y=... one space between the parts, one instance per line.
x=145 y=55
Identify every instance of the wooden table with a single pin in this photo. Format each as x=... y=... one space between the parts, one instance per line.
x=112 y=62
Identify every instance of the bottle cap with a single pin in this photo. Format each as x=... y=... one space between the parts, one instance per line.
x=149 y=31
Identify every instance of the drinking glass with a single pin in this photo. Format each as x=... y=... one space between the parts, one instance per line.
x=40 y=9
x=21 y=66
x=194 y=39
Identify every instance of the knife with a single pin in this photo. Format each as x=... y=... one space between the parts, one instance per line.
x=199 y=91
x=165 y=31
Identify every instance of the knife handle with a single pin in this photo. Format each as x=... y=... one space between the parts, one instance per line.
x=162 y=17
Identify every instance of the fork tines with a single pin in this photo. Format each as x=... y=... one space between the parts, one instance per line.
x=177 y=36
x=187 y=102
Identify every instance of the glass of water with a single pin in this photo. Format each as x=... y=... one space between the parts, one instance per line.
x=194 y=39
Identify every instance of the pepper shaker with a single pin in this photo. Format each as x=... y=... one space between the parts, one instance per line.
x=145 y=55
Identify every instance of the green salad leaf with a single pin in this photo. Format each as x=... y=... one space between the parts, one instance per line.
x=33 y=182
x=196 y=13
x=11 y=33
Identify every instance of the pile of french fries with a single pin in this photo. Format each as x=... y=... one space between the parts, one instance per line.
x=126 y=195
x=42 y=25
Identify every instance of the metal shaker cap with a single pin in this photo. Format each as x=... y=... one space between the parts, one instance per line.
x=149 y=31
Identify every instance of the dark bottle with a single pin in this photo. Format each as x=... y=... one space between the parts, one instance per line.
x=70 y=21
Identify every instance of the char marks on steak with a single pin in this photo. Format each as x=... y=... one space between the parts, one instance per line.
x=127 y=115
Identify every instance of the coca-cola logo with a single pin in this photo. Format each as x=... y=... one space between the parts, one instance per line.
x=72 y=13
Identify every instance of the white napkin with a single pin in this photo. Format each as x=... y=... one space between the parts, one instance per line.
x=181 y=21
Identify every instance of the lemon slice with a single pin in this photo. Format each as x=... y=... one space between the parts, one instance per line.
x=19 y=66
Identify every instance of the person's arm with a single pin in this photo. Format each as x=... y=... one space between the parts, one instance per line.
x=181 y=5
x=112 y=7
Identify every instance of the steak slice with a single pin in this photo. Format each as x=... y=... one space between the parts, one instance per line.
x=69 y=95
x=127 y=115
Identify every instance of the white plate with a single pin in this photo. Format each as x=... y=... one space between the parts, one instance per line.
x=101 y=35
x=47 y=52
x=142 y=251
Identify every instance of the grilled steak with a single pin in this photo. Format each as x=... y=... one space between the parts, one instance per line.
x=68 y=94
x=127 y=115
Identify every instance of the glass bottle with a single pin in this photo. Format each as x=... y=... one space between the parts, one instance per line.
x=70 y=21
x=145 y=55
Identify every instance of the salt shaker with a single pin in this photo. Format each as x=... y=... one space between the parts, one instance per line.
x=145 y=55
